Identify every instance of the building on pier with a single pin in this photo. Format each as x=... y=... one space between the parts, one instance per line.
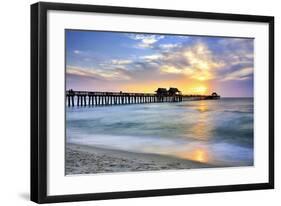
x=174 y=91
x=161 y=92
x=171 y=92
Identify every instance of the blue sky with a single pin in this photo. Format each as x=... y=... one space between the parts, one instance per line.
x=136 y=62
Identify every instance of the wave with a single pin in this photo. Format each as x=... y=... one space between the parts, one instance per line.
x=239 y=111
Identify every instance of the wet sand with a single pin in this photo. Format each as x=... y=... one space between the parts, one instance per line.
x=81 y=159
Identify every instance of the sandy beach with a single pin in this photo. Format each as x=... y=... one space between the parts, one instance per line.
x=81 y=159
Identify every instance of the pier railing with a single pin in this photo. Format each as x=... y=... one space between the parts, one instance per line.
x=89 y=98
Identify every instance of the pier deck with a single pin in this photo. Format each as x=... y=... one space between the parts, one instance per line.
x=88 y=98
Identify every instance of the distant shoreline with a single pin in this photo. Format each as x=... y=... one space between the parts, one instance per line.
x=82 y=159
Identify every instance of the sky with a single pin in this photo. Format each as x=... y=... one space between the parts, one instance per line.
x=137 y=62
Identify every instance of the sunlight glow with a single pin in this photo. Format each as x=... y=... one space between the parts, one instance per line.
x=200 y=90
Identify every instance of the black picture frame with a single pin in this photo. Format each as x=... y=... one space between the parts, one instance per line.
x=39 y=101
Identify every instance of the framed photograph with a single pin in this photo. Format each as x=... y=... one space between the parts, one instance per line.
x=134 y=102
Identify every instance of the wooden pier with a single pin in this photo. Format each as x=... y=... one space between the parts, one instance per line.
x=87 y=98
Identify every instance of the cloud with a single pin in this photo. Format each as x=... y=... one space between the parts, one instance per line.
x=183 y=37
x=238 y=55
x=168 y=46
x=175 y=70
x=199 y=59
x=171 y=69
x=236 y=51
x=195 y=61
x=225 y=60
x=145 y=40
x=98 y=74
x=77 y=51
x=153 y=57
x=241 y=74
x=121 y=61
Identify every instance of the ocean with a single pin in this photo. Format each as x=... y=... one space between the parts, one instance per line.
x=218 y=132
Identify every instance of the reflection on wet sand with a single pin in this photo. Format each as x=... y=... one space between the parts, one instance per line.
x=193 y=152
x=199 y=154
